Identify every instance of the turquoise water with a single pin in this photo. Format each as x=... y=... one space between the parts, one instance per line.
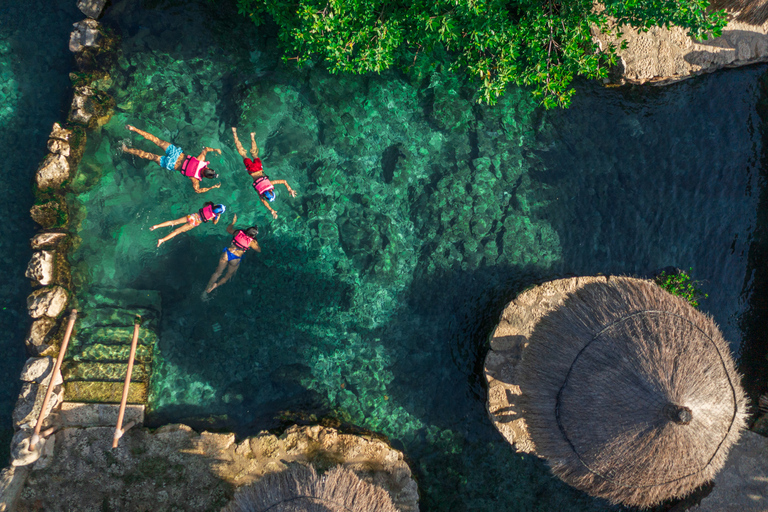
x=33 y=95
x=419 y=215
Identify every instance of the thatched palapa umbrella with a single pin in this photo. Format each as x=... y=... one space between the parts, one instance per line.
x=752 y=12
x=300 y=489
x=630 y=393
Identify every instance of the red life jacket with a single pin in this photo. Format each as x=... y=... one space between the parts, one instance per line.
x=193 y=168
x=262 y=184
x=242 y=240
x=206 y=213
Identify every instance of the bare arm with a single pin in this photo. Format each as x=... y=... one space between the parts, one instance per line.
x=283 y=182
x=265 y=203
x=199 y=189
x=205 y=151
x=255 y=246
x=231 y=227
x=216 y=220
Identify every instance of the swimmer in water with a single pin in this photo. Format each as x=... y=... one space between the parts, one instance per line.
x=243 y=240
x=261 y=182
x=194 y=168
x=208 y=212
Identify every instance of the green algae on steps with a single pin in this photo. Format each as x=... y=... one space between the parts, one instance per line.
x=104 y=392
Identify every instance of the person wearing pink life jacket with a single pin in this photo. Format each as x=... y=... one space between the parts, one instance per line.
x=261 y=182
x=243 y=239
x=208 y=212
x=194 y=168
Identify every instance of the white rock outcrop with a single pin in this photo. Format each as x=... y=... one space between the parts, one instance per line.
x=85 y=35
x=53 y=172
x=40 y=268
x=47 y=302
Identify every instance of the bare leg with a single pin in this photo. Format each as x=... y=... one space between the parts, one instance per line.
x=169 y=223
x=239 y=146
x=232 y=268
x=254 y=147
x=186 y=227
x=164 y=145
x=142 y=154
x=215 y=276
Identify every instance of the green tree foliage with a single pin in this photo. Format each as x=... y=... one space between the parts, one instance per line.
x=538 y=43
x=682 y=285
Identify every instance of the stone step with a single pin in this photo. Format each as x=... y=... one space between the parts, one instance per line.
x=79 y=414
x=110 y=353
x=104 y=392
x=112 y=336
x=114 y=372
x=117 y=317
x=124 y=299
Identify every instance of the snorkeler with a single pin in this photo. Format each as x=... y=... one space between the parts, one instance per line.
x=208 y=212
x=243 y=240
x=261 y=183
x=194 y=168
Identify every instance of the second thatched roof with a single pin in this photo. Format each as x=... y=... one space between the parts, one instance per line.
x=753 y=12
x=301 y=489
x=630 y=393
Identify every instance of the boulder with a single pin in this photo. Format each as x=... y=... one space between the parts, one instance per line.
x=53 y=172
x=39 y=334
x=40 y=268
x=91 y=8
x=47 y=240
x=90 y=108
x=60 y=133
x=38 y=370
x=21 y=453
x=30 y=402
x=58 y=147
x=49 y=215
x=47 y=301
x=12 y=480
x=85 y=35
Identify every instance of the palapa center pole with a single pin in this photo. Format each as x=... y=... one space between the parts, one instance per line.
x=119 y=428
x=67 y=334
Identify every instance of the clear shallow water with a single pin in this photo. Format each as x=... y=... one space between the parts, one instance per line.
x=34 y=90
x=419 y=216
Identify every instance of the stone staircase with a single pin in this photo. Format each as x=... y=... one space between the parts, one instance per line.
x=97 y=358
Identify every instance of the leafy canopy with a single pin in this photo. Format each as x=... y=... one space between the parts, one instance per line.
x=539 y=43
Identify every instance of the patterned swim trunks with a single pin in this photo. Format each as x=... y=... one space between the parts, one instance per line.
x=171 y=155
x=194 y=219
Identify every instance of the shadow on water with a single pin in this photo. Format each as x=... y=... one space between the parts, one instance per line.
x=33 y=95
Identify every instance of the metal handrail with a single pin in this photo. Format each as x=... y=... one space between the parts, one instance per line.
x=64 y=344
x=119 y=430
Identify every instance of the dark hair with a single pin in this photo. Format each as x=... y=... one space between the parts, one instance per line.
x=208 y=203
x=252 y=231
x=209 y=173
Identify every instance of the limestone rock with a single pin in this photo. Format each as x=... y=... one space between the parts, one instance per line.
x=40 y=268
x=39 y=334
x=58 y=147
x=12 y=480
x=90 y=108
x=91 y=8
x=47 y=240
x=60 y=133
x=21 y=452
x=47 y=301
x=30 y=402
x=49 y=215
x=46 y=452
x=85 y=35
x=53 y=172
x=38 y=370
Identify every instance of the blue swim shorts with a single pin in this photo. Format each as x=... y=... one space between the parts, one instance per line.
x=171 y=155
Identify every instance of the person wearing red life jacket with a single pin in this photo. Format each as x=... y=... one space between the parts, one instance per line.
x=261 y=182
x=208 y=212
x=194 y=168
x=243 y=240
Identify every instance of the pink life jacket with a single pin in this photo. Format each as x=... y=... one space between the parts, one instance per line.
x=242 y=240
x=262 y=184
x=193 y=168
x=206 y=213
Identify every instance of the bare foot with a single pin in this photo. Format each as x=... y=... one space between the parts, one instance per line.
x=153 y=228
x=124 y=148
x=211 y=288
x=205 y=297
x=160 y=242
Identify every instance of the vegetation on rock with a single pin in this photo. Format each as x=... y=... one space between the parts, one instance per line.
x=543 y=44
x=682 y=285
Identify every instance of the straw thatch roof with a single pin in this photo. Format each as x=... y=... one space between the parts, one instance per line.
x=300 y=489
x=630 y=393
x=753 y=12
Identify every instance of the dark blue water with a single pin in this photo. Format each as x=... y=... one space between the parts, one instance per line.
x=34 y=90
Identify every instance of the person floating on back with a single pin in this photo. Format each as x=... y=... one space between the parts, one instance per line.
x=243 y=240
x=261 y=182
x=208 y=212
x=194 y=168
